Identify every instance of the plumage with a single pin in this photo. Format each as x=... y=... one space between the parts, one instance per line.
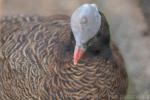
x=36 y=56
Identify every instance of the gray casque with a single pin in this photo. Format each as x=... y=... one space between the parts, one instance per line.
x=85 y=23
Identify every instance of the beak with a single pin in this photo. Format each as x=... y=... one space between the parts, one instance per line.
x=78 y=52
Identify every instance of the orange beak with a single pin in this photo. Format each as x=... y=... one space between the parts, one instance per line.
x=78 y=52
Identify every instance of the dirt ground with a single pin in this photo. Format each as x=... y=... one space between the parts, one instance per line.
x=129 y=22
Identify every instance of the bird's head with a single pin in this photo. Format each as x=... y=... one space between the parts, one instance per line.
x=85 y=25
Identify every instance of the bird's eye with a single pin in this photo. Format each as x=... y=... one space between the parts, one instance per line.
x=89 y=43
x=92 y=41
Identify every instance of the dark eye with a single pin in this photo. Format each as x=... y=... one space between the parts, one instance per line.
x=94 y=45
x=89 y=43
x=92 y=41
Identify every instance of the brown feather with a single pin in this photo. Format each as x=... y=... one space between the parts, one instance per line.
x=36 y=63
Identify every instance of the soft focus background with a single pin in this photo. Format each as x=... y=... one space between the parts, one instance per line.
x=129 y=22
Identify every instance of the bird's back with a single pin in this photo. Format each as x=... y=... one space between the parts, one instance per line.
x=27 y=46
x=36 y=63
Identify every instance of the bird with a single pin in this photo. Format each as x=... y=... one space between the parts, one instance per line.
x=60 y=57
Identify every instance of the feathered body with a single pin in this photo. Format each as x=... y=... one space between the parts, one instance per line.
x=36 y=63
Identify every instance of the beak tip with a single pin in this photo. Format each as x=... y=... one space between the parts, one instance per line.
x=75 y=62
x=77 y=54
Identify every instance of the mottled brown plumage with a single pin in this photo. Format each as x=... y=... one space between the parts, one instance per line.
x=36 y=62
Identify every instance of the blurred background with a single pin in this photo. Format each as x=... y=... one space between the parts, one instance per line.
x=129 y=22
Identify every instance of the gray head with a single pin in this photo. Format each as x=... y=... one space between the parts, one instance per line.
x=85 y=23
